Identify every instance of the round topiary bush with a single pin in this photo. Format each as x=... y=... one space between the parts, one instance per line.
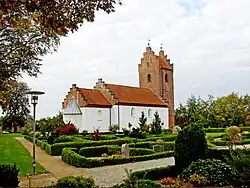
x=190 y=145
x=215 y=171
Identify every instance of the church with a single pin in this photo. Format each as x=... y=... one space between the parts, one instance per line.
x=109 y=104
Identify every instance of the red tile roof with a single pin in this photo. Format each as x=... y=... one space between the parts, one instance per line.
x=128 y=95
x=94 y=98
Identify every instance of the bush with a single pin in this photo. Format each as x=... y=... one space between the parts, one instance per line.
x=27 y=129
x=157 y=124
x=114 y=128
x=63 y=138
x=79 y=182
x=137 y=133
x=190 y=145
x=68 y=129
x=215 y=171
x=97 y=151
x=9 y=175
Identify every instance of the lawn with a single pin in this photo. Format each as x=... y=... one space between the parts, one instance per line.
x=11 y=151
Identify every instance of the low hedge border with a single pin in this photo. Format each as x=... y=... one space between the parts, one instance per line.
x=72 y=158
x=168 y=146
x=210 y=130
x=43 y=145
x=97 y=151
x=225 y=143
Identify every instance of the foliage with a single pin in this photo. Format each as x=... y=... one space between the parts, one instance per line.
x=233 y=134
x=142 y=121
x=190 y=145
x=125 y=131
x=31 y=29
x=172 y=182
x=96 y=134
x=17 y=111
x=67 y=129
x=230 y=110
x=63 y=138
x=240 y=162
x=49 y=125
x=137 y=133
x=84 y=133
x=176 y=129
x=79 y=182
x=156 y=125
x=9 y=175
x=197 y=180
x=215 y=171
x=114 y=128
x=133 y=182
x=26 y=130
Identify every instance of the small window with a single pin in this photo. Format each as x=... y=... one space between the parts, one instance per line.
x=99 y=113
x=166 y=77
x=147 y=64
x=149 y=113
x=132 y=112
x=149 y=78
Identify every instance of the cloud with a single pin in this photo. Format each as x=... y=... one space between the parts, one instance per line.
x=207 y=40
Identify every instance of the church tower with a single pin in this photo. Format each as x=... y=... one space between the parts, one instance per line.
x=156 y=73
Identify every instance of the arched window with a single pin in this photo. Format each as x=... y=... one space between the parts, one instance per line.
x=99 y=112
x=166 y=77
x=149 y=78
x=149 y=113
x=132 y=112
x=147 y=64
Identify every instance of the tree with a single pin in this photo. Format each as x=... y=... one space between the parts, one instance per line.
x=156 y=125
x=30 y=29
x=143 y=121
x=18 y=109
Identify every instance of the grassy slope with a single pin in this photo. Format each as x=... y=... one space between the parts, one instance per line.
x=12 y=151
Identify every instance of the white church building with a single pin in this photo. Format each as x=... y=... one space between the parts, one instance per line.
x=110 y=104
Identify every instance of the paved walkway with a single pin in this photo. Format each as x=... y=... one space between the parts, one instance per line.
x=104 y=176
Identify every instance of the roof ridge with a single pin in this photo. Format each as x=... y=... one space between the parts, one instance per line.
x=128 y=86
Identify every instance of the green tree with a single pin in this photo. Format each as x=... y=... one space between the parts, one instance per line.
x=143 y=121
x=156 y=125
x=18 y=109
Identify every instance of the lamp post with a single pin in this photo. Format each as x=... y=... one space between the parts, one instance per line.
x=34 y=101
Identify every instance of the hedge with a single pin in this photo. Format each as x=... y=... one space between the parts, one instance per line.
x=225 y=143
x=165 y=138
x=71 y=157
x=168 y=146
x=210 y=130
x=97 y=151
x=156 y=173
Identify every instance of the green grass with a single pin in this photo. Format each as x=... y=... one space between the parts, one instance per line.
x=11 y=151
x=214 y=134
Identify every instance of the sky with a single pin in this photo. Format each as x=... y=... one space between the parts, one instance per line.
x=207 y=40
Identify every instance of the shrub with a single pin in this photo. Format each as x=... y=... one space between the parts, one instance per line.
x=125 y=131
x=64 y=138
x=97 y=151
x=67 y=129
x=156 y=125
x=142 y=122
x=84 y=133
x=197 y=180
x=96 y=134
x=8 y=175
x=215 y=171
x=137 y=133
x=114 y=128
x=79 y=182
x=233 y=134
x=52 y=137
x=27 y=129
x=190 y=145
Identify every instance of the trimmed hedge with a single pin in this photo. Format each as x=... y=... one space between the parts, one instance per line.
x=210 y=130
x=110 y=150
x=168 y=146
x=225 y=143
x=165 y=138
x=74 y=159
x=156 y=173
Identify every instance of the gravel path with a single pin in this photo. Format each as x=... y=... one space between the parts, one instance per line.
x=110 y=175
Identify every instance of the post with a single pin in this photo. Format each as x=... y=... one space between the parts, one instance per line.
x=34 y=140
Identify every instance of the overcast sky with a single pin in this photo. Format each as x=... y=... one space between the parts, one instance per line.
x=207 y=40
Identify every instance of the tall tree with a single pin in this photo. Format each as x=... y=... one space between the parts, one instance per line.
x=18 y=109
x=157 y=124
x=30 y=29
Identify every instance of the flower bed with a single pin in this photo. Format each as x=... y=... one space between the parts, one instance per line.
x=71 y=157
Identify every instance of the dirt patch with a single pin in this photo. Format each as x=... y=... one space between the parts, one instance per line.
x=39 y=180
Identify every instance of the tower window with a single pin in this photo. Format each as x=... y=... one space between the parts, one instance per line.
x=166 y=77
x=149 y=78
